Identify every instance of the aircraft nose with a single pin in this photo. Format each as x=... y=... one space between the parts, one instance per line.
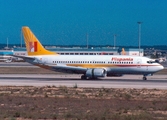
x=161 y=67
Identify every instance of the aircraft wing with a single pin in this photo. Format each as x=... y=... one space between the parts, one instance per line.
x=31 y=60
x=24 y=57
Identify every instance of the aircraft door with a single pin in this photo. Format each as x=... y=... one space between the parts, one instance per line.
x=45 y=60
x=139 y=63
x=147 y=67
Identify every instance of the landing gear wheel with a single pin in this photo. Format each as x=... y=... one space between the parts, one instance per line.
x=144 y=78
x=83 y=77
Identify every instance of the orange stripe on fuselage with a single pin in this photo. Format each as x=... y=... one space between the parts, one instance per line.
x=106 y=65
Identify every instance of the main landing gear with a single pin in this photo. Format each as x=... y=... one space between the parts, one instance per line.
x=83 y=77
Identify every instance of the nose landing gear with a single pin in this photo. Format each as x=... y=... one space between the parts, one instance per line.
x=144 y=78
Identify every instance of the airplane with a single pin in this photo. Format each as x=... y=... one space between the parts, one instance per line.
x=90 y=66
x=8 y=61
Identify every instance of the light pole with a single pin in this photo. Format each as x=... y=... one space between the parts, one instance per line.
x=115 y=40
x=21 y=39
x=139 y=23
x=87 y=40
x=7 y=42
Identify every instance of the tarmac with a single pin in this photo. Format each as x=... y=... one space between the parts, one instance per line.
x=127 y=81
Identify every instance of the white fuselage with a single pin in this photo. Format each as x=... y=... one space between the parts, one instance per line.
x=114 y=64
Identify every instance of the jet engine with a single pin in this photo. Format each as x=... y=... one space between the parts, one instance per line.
x=96 y=72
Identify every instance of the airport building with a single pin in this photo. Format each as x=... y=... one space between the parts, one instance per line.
x=5 y=55
x=134 y=52
x=85 y=51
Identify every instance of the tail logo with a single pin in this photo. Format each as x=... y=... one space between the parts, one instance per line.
x=32 y=46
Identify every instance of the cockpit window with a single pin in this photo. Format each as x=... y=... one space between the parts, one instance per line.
x=152 y=61
x=157 y=61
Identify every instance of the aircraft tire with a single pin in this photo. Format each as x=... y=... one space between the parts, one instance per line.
x=83 y=77
x=144 y=78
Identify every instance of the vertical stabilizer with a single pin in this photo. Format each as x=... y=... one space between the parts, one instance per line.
x=123 y=51
x=33 y=46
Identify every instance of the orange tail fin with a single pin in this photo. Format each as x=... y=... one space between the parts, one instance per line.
x=33 y=46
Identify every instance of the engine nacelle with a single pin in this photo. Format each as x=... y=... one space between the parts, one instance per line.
x=96 y=72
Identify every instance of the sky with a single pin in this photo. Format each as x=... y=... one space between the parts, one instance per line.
x=67 y=22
